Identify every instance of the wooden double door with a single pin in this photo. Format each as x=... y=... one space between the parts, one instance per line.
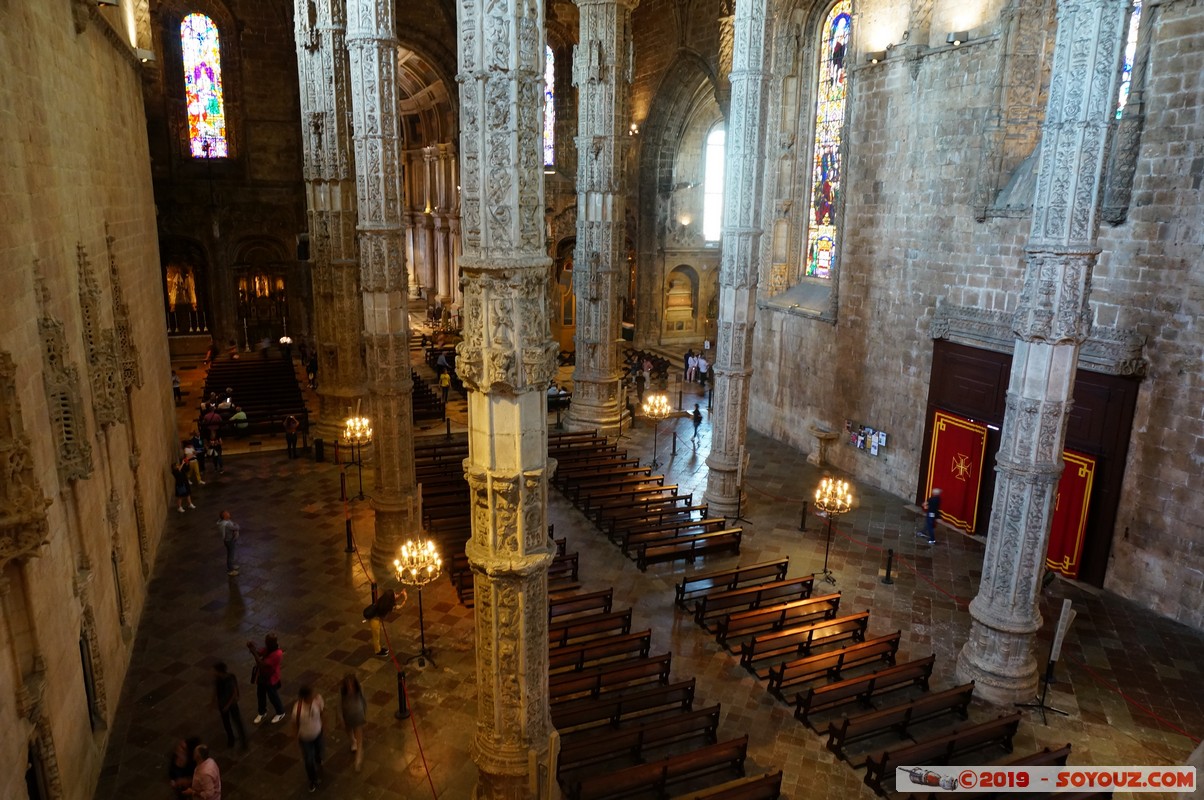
x=966 y=402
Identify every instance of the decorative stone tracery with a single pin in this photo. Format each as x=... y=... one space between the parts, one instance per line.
x=1050 y=324
x=506 y=361
x=372 y=44
x=73 y=453
x=328 y=167
x=23 y=525
x=738 y=265
x=602 y=75
x=100 y=346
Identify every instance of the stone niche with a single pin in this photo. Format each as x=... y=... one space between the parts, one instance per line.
x=681 y=301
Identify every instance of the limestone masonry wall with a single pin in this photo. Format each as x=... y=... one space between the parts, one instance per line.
x=916 y=136
x=76 y=195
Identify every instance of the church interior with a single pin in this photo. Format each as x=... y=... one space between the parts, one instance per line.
x=947 y=252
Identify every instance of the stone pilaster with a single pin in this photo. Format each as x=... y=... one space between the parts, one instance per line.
x=328 y=168
x=506 y=361
x=1050 y=324
x=372 y=45
x=738 y=267
x=602 y=75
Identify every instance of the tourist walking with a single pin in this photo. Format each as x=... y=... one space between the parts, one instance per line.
x=445 y=385
x=268 y=660
x=179 y=471
x=291 y=426
x=697 y=416
x=354 y=709
x=213 y=449
x=225 y=697
x=932 y=512
x=175 y=387
x=229 y=531
x=307 y=725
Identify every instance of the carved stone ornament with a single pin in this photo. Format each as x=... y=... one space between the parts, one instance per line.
x=23 y=525
x=31 y=706
x=108 y=400
x=1109 y=351
x=73 y=453
x=126 y=347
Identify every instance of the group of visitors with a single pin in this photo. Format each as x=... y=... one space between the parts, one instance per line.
x=697 y=366
x=189 y=469
x=218 y=412
x=193 y=773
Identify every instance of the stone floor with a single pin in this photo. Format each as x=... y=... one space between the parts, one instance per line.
x=1128 y=679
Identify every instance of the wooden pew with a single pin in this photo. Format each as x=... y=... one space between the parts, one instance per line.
x=592 y=681
x=758 y=787
x=775 y=617
x=698 y=585
x=599 y=504
x=1046 y=757
x=656 y=505
x=942 y=749
x=590 y=626
x=830 y=664
x=594 y=745
x=588 y=603
x=614 y=487
x=899 y=718
x=639 y=522
x=691 y=547
x=861 y=688
x=630 y=543
x=657 y=776
x=655 y=498
x=613 y=708
x=745 y=598
x=598 y=651
x=782 y=645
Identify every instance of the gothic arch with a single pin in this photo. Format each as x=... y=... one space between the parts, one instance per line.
x=166 y=34
x=690 y=77
x=186 y=276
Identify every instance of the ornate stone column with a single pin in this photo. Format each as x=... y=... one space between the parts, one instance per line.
x=1052 y=320
x=743 y=166
x=602 y=75
x=507 y=360
x=328 y=168
x=373 y=49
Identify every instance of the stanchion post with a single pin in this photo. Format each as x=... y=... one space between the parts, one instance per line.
x=373 y=588
x=342 y=486
x=447 y=422
x=403 y=706
x=674 y=452
x=890 y=558
x=802 y=520
x=350 y=548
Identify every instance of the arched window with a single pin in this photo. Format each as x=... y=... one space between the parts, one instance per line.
x=1126 y=73
x=712 y=184
x=826 y=157
x=203 y=87
x=549 y=108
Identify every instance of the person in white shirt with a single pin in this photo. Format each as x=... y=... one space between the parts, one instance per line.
x=307 y=724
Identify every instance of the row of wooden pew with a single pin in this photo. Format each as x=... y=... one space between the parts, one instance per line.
x=628 y=729
x=649 y=519
x=802 y=644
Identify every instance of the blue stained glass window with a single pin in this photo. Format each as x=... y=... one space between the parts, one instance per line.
x=203 y=87
x=1126 y=73
x=830 y=101
x=549 y=108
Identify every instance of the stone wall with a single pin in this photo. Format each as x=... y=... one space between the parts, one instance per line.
x=919 y=153
x=79 y=218
x=1151 y=277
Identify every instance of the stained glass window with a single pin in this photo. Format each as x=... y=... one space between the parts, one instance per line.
x=549 y=108
x=831 y=95
x=1126 y=72
x=712 y=185
x=203 y=87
